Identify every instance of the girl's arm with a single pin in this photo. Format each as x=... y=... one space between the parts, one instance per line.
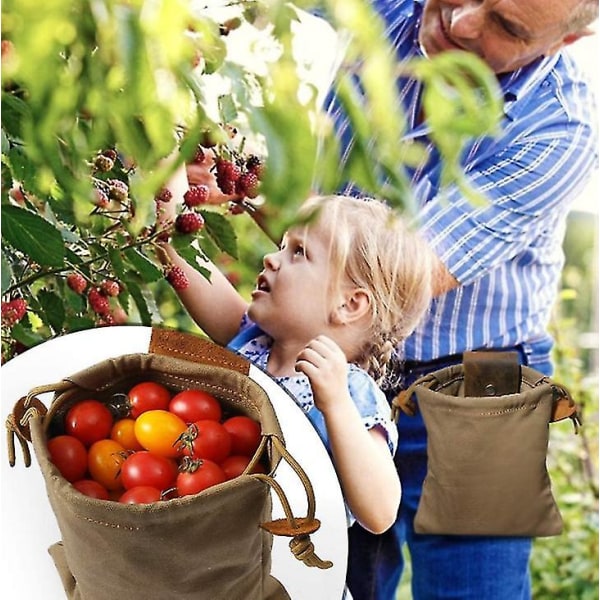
x=214 y=305
x=361 y=457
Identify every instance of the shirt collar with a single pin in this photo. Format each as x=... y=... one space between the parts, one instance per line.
x=518 y=84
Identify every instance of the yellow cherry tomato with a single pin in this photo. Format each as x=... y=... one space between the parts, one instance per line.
x=158 y=431
x=123 y=431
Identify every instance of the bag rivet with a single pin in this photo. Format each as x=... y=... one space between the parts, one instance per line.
x=490 y=390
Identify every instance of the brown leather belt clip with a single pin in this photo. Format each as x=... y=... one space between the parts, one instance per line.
x=491 y=373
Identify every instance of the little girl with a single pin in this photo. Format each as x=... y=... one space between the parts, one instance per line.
x=347 y=283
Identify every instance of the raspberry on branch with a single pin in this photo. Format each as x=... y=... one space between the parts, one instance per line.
x=247 y=185
x=110 y=287
x=196 y=195
x=189 y=222
x=118 y=190
x=13 y=311
x=227 y=174
x=177 y=278
x=164 y=195
x=254 y=164
x=98 y=302
x=103 y=163
x=76 y=282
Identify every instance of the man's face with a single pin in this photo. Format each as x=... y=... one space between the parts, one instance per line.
x=506 y=34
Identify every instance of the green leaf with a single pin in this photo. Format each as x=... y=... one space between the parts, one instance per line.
x=6 y=272
x=24 y=335
x=220 y=231
x=21 y=167
x=33 y=235
x=227 y=109
x=144 y=267
x=73 y=301
x=14 y=111
x=116 y=260
x=53 y=308
x=190 y=253
x=140 y=302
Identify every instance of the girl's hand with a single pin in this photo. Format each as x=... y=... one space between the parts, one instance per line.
x=326 y=367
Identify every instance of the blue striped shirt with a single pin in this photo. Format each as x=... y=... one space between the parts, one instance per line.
x=507 y=255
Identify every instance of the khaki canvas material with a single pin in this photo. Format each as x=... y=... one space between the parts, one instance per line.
x=486 y=455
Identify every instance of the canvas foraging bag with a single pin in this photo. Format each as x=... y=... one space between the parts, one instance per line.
x=215 y=544
x=487 y=423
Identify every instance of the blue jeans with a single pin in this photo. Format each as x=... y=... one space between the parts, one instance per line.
x=443 y=567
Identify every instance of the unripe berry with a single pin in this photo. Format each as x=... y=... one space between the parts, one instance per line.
x=111 y=153
x=100 y=198
x=103 y=163
x=117 y=190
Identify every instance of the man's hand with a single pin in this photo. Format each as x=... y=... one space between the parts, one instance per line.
x=202 y=173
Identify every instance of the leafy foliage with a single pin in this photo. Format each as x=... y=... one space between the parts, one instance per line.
x=95 y=100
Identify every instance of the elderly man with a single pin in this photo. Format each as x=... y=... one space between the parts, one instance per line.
x=499 y=265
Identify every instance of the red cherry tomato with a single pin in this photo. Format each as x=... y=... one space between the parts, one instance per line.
x=69 y=456
x=91 y=488
x=150 y=470
x=205 y=474
x=207 y=439
x=195 y=405
x=245 y=434
x=158 y=431
x=141 y=494
x=89 y=421
x=123 y=431
x=236 y=464
x=105 y=458
x=148 y=395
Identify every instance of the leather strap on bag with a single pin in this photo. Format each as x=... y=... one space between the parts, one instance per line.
x=491 y=373
x=186 y=346
x=486 y=374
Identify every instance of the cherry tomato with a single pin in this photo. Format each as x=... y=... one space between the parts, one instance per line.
x=146 y=469
x=141 y=494
x=105 y=458
x=91 y=488
x=89 y=421
x=195 y=405
x=235 y=464
x=123 y=431
x=148 y=395
x=158 y=431
x=245 y=434
x=206 y=473
x=69 y=456
x=207 y=439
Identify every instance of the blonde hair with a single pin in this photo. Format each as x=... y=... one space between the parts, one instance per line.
x=377 y=250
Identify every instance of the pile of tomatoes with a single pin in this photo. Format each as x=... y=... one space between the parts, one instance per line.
x=168 y=445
